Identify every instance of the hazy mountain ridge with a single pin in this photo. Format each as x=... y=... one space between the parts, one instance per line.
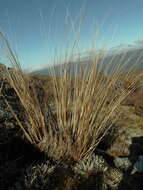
x=132 y=58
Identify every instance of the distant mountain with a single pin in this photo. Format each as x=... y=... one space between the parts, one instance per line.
x=131 y=59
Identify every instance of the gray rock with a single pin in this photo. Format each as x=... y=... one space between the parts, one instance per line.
x=138 y=166
x=136 y=149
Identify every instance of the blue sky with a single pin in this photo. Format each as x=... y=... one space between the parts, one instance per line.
x=37 y=29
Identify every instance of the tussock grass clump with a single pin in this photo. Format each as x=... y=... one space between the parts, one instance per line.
x=85 y=106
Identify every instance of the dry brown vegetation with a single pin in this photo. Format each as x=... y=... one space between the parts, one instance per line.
x=82 y=112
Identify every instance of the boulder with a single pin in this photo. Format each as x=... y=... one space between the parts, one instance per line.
x=138 y=166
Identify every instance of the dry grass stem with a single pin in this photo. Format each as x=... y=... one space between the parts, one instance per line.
x=85 y=104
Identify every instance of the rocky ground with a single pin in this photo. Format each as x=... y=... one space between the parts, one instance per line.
x=114 y=165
